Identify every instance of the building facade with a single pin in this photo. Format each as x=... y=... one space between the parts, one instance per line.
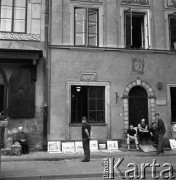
x=22 y=68
x=112 y=61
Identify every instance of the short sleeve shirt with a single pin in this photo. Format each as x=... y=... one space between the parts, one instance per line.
x=131 y=132
x=87 y=126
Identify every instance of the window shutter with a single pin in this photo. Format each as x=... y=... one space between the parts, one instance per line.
x=147 y=32
x=173 y=31
x=22 y=93
x=128 y=27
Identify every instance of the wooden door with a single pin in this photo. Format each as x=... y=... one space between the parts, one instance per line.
x=138 y=105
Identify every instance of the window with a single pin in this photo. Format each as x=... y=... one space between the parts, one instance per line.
x=88 y=101
x=86 y=27
x=173 y=103
x=172 y=29
x=136 y=30
x=13 y=15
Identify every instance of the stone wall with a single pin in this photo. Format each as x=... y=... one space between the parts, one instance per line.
x=33 y=127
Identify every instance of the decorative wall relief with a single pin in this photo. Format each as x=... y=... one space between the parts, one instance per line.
x=88 y=77
x=138 y=66
x=138 y=2
x=20 y=36
x=171 y=3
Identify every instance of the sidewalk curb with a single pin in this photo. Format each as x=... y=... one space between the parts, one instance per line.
x=80 y=156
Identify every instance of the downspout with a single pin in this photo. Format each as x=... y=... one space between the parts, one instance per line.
x=46 y=122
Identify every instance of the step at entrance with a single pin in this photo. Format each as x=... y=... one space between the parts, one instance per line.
x=147 y=148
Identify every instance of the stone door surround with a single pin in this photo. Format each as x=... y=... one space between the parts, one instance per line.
x=151 y=101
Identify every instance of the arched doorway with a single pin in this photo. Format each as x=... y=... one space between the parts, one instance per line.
x=138 y=105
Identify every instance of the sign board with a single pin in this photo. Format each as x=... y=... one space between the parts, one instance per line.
x=161 y=102
x=93 y=145
x=102 y=146
x=172 y=143
x=54 y=147
x=68 y=147
x=78 y=146
x=112 y=145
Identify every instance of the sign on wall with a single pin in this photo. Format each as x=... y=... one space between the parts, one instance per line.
x=161 y=101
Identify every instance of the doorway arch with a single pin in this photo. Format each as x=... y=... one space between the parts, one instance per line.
x=144 y=87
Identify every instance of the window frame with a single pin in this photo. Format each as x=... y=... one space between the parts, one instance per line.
x=147 y=25
x=106 y=105
x=84 y=100
x=12 y=19
x=86 y=27
x=168 y=12
x=171 y=15
x=91 y=5
x=169 y=86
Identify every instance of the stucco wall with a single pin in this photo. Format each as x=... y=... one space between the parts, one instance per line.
x=111 y=66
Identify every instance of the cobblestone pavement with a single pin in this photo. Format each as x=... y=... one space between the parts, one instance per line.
x=71 y=167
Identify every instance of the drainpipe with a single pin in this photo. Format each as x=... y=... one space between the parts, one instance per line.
x=46 y=122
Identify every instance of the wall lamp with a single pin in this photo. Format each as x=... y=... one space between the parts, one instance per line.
x=160 y=85
x=78 y=88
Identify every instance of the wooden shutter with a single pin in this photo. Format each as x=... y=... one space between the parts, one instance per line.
x=22 y=93
x=128 y=27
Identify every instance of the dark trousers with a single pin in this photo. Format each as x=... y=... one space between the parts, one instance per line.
x=25 y=148
x=144 y=136
x=160 y=143
x=86 y=148
x=155 y=138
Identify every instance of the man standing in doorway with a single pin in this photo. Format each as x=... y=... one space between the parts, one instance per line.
x=86 y=131
x=161 y=131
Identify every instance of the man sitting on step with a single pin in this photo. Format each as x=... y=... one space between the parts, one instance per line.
x=131 y=135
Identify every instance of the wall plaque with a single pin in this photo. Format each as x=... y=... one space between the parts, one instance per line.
x=138 y=66
x=88 y=77
x=171 y=3
x=161 y=101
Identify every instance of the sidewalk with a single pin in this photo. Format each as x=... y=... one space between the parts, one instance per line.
x=45 y=166
x=46 y=156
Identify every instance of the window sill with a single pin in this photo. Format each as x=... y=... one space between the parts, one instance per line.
x=92 y=124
